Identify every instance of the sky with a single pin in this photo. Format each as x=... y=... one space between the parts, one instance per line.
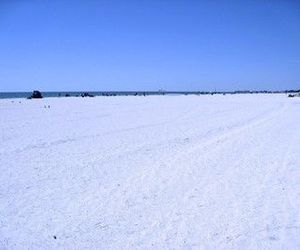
x=149 y=45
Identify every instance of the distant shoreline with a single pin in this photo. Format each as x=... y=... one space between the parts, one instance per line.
x=8 y=95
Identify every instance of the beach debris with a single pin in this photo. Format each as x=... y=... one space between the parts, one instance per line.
x=35 y=95
x=86 y=94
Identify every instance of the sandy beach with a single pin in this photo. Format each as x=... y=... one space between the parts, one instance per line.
x=154 y=172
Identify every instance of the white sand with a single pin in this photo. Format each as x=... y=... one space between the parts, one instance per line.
x=155 y=172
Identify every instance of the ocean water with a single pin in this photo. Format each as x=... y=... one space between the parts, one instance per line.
x=5 y=95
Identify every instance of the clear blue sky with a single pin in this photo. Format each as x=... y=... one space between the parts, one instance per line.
x=149 y=45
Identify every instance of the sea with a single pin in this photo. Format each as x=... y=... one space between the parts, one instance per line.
x=5 y=95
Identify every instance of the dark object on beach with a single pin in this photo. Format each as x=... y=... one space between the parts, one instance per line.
x=86 y=94
x=67 y=95
x=290 y=95
x=35 y=95
x=54 y=237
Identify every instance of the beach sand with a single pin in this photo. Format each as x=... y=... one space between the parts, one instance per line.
x=154 y=172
